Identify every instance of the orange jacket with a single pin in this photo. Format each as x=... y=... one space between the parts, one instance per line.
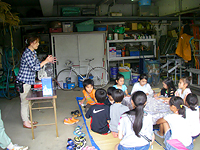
x=90 y=98
x=183 y=49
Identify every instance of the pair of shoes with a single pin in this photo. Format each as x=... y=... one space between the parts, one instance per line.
x=28 y=127
x=78 y=133
x=81 y=145
x=17 y=147
x=79 y=139
x=70 y=144
x=70 y=121
x=76 y=113
x=156 y=133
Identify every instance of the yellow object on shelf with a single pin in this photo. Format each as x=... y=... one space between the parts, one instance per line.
x=125 y=64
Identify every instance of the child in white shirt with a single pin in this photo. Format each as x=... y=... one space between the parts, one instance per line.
x=192 y=114
x=183 y=89
x=142 y=85
x=175 y=126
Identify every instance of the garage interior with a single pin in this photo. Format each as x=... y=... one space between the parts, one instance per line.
x=140 y=36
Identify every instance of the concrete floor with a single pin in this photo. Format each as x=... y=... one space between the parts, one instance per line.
x=45 y=136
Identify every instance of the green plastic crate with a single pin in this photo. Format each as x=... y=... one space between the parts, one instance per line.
x=82 y=28
x=88 y=22
x=70 y=11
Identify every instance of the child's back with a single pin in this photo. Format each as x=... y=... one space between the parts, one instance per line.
x=192 y=114
x=100 y=113
x=117 y=109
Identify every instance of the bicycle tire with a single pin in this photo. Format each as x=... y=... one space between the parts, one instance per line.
x=62 y=75
x=99 y=82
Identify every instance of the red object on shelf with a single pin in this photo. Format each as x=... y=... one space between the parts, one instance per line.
x=55 y=30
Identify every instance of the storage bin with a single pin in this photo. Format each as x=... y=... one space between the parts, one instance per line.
x=71 y=85
x=100 y=28
x=113 y=72
x=127 y=75
x=134 y=77
x=134 y=53
x=70 y=11
x=144 y=2
x=67 y=26
x=55 y=30
x=148 y=11
x=88 y=11
x=85 y=26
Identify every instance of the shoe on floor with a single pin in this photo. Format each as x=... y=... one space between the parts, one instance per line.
x=79 y=139
x=156 y=133
x=68 y=121
x=17 y=147
x=28 y=127
x=75 y=120
x=80 y=145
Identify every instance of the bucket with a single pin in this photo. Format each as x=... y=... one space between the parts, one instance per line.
x=113 y=72
x=127 y=75
x=134 y=77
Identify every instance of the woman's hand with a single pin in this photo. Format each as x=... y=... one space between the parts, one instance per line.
x=51 y=59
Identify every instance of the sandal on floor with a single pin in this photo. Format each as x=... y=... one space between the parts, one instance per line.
x=28 y=127
x=78 y=133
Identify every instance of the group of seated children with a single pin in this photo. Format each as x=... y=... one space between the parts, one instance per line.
x=110 y=113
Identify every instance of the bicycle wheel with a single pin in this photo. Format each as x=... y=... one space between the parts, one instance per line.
x=100 y=77
x=63 y=75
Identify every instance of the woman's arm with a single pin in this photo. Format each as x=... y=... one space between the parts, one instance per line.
x=157 y=95
x=120 y=134
x=49 y=59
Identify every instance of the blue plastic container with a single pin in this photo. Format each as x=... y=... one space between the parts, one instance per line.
x=113 y=72
x=71 y=85
x=65 y=85
x=134 y=53
x=100 y=28
x=144 y=2
x=134 y=77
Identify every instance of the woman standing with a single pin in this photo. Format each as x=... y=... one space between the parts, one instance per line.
x=28 y=67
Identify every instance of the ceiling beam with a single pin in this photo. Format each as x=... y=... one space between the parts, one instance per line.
x=47 y=7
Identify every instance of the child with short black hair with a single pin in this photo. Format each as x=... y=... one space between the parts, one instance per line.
x=89 y=93
x=100 y=113
x=109 y=100
x=192 y=114
x=116 y=110
x=183 y=87
x=175 y=126
x=142 y=85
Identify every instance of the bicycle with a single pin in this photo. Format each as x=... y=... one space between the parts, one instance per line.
x=99 y=75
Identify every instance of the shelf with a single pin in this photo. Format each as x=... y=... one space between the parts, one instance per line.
x=129 y=57
x=132 y=40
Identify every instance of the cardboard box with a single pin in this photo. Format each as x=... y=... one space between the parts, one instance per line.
x=134 y=26
x=112 y=52
x=47 y=86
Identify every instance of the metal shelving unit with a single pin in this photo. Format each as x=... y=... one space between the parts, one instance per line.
x=143 y=41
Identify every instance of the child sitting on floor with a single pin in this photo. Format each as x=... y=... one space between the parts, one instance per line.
x=119 y=84
x=136 y=126
x=109 y=100
x=89 y=94
x=175 y=126
x=167 y=91
x=100 y=114
x=183 y=89
x=192 y=114
x=142 y=85
x=116 y=110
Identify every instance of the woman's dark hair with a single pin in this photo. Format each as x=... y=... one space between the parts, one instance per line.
x=139 y=98
x=88 y=82
x=170 y=84
x=119 y=76
x=118 y=95
x=192 y=101
x=143 y=76
x=186 y=80
x=187 y=29
x=100 y=95
x=30 y=38
x=179 y=104
x=110 y=90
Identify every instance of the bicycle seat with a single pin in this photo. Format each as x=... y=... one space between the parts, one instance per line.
x=90 y=59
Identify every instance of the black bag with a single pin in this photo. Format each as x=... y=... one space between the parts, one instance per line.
x=19 y=86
